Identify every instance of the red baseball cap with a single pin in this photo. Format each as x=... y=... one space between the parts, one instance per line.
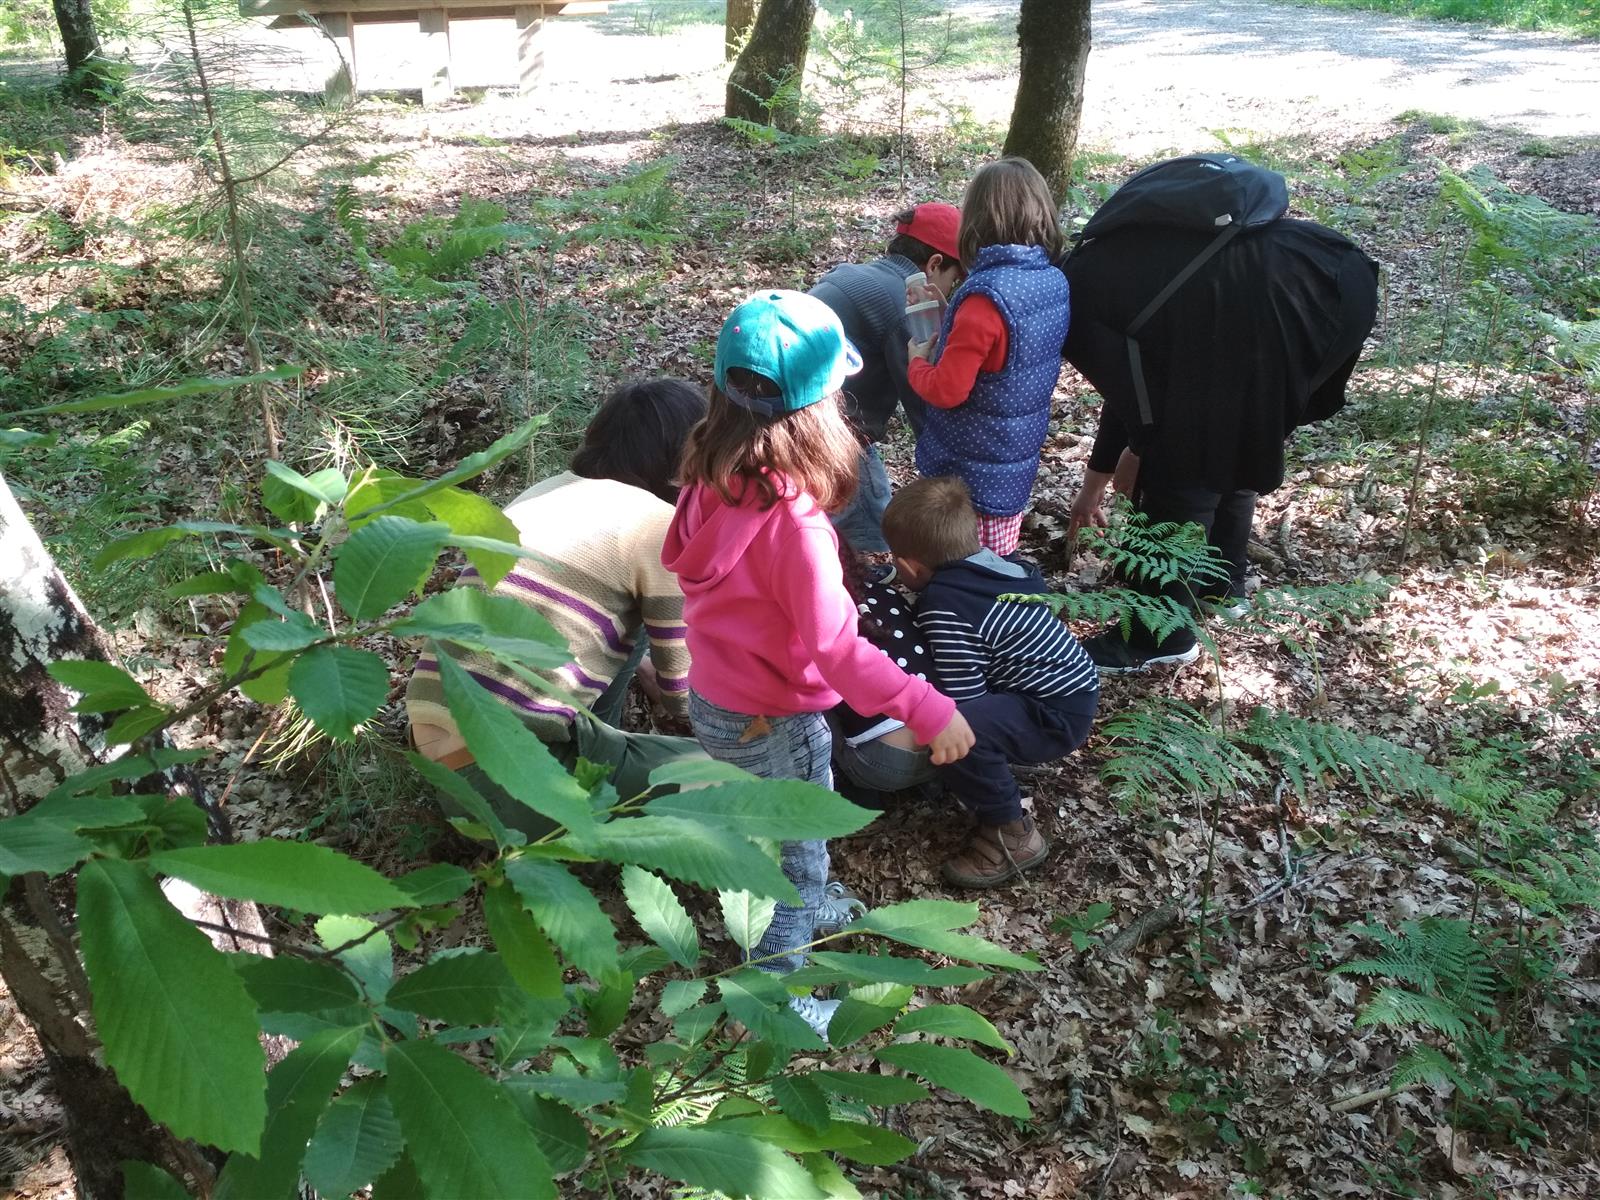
x=937 y=226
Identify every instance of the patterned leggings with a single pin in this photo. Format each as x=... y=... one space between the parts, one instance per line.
x=999 y=534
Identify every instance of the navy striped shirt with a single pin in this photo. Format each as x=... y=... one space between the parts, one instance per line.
x=981 y=644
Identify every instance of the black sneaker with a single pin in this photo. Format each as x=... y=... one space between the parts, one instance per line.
x=1112 y=655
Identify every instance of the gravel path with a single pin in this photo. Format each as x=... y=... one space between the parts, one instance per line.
x=1163 y=74
x=1163 y=70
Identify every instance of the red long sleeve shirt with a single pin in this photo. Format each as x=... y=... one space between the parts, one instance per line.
x=977 y=342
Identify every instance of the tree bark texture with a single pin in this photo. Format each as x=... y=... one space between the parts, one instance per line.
x=741 y=14
x=764 y=85
x=76 y=22
x=42 y=742
x=1053 y=36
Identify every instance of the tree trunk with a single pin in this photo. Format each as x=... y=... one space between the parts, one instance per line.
x=764 y=85
x=1053 y=36
x=741 y=14
x=76 y=23
x=41 y=621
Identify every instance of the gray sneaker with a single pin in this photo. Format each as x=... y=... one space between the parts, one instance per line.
x=814 y=1012
x=839 y=907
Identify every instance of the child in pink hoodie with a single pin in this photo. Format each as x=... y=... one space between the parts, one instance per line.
x=772 y=631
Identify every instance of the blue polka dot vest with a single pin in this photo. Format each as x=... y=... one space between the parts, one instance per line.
x=993 y=440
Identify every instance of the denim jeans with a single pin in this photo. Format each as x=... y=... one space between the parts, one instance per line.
x=880 y=767
x=776 y=748
x=861 y=522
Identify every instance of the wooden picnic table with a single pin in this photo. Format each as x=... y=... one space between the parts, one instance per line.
x=339 y=19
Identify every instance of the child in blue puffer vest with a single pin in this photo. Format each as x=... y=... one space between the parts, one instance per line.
x=989 y=376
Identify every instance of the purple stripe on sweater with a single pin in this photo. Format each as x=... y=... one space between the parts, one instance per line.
x=600 y=620
x=507 y=692
x=583 y=679
x=667 y=633
x=674 y=685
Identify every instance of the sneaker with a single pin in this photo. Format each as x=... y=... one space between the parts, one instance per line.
x=1112 y=655
x=1233 y=607
x=996 y=853
x=814 y=1012
x=839 y=907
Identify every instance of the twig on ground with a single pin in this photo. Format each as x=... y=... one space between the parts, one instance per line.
x=1362 y=1099
x=927 y=1179
x=1142 y=929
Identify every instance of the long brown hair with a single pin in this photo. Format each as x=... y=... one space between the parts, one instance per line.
x=734 y=449
x=1008 y=203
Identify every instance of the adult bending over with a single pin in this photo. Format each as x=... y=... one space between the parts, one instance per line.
x=598 y=529
x=1260 y=340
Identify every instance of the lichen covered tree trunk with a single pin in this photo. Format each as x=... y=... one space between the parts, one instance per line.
x=764 y=85
x=741 y=14
x=1053 y=36
x=42 y=742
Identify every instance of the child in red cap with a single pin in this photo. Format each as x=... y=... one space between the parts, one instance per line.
x=870 y=300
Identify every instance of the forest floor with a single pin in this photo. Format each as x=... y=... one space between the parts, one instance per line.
x=1159 y=1063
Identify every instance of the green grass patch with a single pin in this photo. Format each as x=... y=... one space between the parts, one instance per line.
x=1580 y=18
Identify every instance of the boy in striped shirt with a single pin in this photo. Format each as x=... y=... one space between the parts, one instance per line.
x=1015 y=672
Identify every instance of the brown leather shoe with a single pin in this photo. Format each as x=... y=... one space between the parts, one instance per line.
x=996 y=853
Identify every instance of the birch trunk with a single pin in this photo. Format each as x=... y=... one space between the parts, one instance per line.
x=42 y=743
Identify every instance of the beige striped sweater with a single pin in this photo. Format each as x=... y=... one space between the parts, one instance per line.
x=600 y=582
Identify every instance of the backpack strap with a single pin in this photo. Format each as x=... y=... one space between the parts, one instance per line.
x=1135 y=363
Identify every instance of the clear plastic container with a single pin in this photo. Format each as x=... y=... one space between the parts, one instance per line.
x=922 y=320
x=922 y=316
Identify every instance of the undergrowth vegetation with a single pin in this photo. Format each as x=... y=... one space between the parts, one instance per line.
x=435 y=298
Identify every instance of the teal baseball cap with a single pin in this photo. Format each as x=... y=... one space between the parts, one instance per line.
x=791 y=338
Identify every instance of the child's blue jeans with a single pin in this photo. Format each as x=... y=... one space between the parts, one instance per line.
x=795 y=747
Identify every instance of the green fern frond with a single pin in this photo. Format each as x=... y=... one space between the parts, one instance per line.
x=1391 y=967
x=1161 y=615
x=1529 y=895
x=1426 y=1064
x=1306 y=750
x=1163 y=746
x=1325 y=607
x=1400 y=1009
x=1163 y=552
x=1571 y=878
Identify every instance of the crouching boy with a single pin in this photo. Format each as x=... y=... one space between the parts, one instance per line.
x=1018 y=676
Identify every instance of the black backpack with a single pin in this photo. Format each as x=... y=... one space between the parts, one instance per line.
x=1197 y=191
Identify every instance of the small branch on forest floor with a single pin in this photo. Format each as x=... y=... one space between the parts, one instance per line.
x=926 y=1178
x=1362 y=1099
x=1142 y=929
x=1284 y=549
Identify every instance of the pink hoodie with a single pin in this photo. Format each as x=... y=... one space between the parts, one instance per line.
x=772 y=631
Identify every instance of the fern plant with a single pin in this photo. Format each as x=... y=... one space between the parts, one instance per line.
x=1306 y=751
x=1160 y=552
x=1161 y=746
x=1444 y=982
x=1161 y=615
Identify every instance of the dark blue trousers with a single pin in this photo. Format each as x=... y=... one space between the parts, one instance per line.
x=1013 y=728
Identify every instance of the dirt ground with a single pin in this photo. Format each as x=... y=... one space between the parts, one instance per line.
x=1517 y=604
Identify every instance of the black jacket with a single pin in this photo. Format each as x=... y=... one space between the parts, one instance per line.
x=1263 y=339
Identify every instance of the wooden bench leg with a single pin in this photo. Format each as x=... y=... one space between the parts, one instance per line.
x=530 y=48
x=341 y=30
x=435 y=26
